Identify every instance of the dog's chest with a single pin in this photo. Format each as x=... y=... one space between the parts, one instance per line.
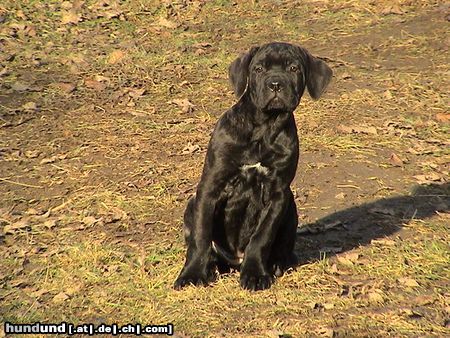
x=256 y=160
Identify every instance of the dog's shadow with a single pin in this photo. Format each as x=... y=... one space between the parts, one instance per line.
x=359 y=225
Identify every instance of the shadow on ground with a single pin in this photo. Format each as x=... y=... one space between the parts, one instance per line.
x=359 y=225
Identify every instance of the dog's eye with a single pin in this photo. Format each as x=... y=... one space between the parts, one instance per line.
x=293 y=69
x=259 y=69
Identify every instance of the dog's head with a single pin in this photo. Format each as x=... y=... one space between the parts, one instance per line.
x=275 y=76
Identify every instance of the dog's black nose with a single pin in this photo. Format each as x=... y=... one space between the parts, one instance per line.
x=275 y=86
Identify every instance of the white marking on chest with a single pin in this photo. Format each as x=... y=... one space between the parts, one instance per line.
x=259 y=168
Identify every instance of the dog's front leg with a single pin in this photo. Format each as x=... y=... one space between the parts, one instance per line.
x=255 y=274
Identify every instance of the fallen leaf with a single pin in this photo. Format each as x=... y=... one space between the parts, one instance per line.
x=94 y=84
x=48 y=160
x=107 y=9
x=387 y=95
x=53 y=158
x=185 y=105
x=77 y=5
x=345 y=129
x=29 y=31
x=32 y=153
x=352 y=256
x=73 y=290
x=115 y=215
x=375 y=298
x=70 y=17
x=344 y=261
x=328 y=306
x=410 y=282
x=39 y=293
x=19 y=86
x=427 y=178
x=67 y=5
x=392 y=9
x=313 y=305
x=19 y=225
x=78 y=59
x=136 y=92
x=90 y=220
x=101 y=78
x=419 y=149
x=200 y=51
x=410 y=313
x=383 y=241
x=33 y=212
x=18 y=28
x=163 y=22
x=115 y=57
x=341 y=196
x=190 y=149
x=4 y=71
x=18 y=283
x=423 y=300
x=29 y=107
x=60 y=298
x=21 y=15
x=114 y=13
x=326 y=332
x=395 y=160
x=51 y=223
x=66 y=87
x=441 y=117
x=334 y=269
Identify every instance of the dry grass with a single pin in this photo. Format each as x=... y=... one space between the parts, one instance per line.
x=117 y=157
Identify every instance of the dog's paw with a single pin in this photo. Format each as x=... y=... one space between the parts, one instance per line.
x=196 y=279
x=255 y=282
x=283 y=264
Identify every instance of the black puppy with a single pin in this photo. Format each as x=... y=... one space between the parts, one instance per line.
x=243 y=214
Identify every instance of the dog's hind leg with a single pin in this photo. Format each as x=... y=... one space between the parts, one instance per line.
x=189 y=220
x=194 y=276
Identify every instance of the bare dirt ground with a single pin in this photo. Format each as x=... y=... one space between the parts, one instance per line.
x=106 y=108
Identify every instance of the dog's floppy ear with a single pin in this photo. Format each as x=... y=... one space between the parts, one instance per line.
x=318 y=75
x=238 y=72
